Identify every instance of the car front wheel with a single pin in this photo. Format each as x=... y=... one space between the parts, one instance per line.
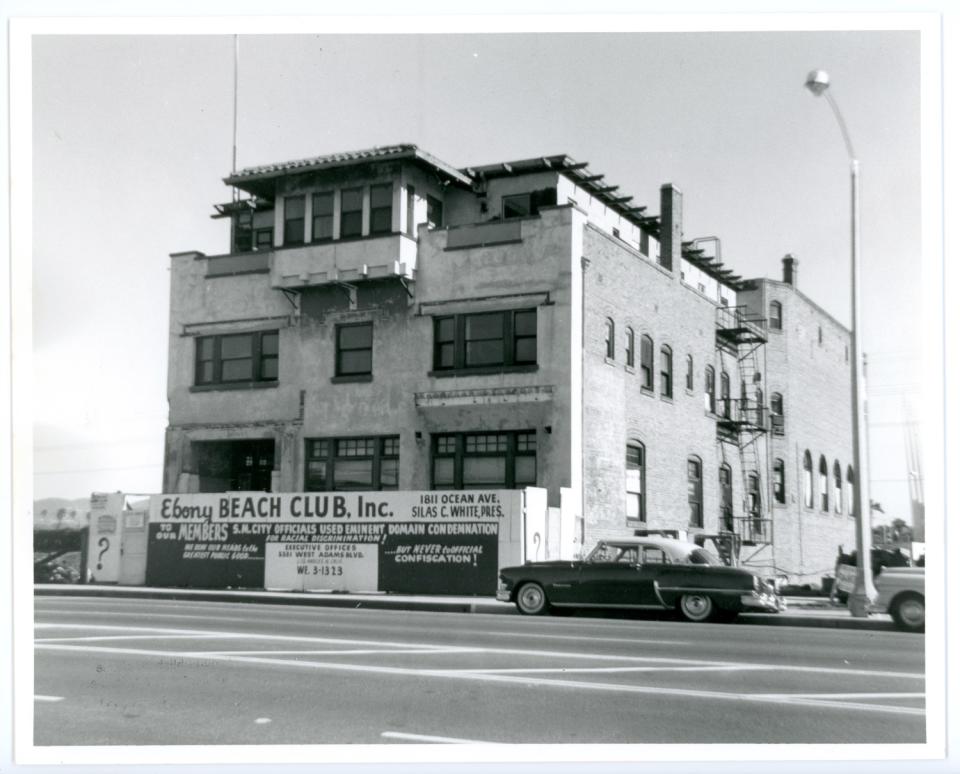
x=531 y=599
x=909 y=612
x=696 y=607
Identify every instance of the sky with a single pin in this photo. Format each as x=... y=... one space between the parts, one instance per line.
x=132 y=137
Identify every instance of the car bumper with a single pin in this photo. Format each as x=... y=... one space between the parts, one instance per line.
x=503 y=595
x=761 y=603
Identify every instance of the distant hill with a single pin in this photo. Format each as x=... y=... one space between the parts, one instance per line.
x=60 y=513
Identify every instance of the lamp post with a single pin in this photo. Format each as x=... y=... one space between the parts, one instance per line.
x=864 y=592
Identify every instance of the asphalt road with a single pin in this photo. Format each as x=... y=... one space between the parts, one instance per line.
x=120 y=671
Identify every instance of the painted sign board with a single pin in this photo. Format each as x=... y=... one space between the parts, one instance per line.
x=103 y=548
x=405 y=542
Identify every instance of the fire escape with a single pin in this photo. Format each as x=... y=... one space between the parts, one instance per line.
x=742 y=421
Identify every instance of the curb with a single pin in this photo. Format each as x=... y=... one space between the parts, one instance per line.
x=824 y=618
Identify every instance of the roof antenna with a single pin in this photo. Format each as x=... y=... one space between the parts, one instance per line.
x=236 y=68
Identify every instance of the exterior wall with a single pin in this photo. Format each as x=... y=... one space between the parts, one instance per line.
x=633 y=291
x=814 y=379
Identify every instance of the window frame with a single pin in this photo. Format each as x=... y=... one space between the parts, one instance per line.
x=666 y=371
x=710 y=389
x=377 y=212
x=517 y=446
x=351 y=232
x=340 y=350
x=510 y=338
x=779 y=481
x=808 y=494
x=695 y=491
x=257 y=356
x=636 y=489
x=823 y=475
x=646 y=363
x=837 y=488
x=292 y=224
x=690 y=369
x=324 y=217
x=776 y=316
x=611 y=341
x=386 y=449
x=727 y=522
x=631 y=348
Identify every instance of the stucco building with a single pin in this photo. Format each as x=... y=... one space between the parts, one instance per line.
x=383 y=320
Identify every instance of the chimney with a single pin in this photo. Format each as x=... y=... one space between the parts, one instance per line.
x=790 y=264
x=671 y=226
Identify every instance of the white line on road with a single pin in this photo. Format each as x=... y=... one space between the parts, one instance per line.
x=496 y=678
x=490 y=651
x=892 y=695
x=570 y=670
x=355 y=652
x=426 y=738
x=106 y=637
x=38 y=697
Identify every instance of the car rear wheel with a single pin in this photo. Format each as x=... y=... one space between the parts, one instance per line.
x=531 y=599
x=696 y=607
x=909 y=612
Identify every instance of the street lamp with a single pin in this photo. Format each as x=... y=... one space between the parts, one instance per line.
x=864 y=592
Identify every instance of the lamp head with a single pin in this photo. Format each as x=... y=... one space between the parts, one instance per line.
x=817 y=81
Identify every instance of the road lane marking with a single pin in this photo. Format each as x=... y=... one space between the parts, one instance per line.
x=570 y=670
x=434 y=739
x=354 y=652
x=262 y=721
x=107 y=637
x=499 y=678
x=890 y=695
x=498 y=651
x=38 y=697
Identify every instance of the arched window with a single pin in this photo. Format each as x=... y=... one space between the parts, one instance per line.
x=776 y=316
x=636 y=481
x=758 y=412
x=630 y=350
x=709 y=390
x=807 y=479
x=851 y=493
x=646 y=362
x=611 y=339
x=725 y=394
x=824 y=492
x=690 y=373
x=726 y=498
x=754 y=504
x=695 y=490
x=779 y=481
x=666 y=371
x=837 y=487
x=776 y=413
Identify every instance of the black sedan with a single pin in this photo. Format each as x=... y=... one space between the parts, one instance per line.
x=652 y=573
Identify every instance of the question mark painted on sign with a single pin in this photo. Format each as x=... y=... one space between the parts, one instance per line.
x=104 y=544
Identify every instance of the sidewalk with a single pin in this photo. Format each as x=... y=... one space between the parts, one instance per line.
x=801 y=611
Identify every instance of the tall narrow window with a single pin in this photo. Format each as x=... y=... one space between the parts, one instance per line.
x=851 y=492
x=611 y=339
x=807 y=479
x=709 y=390
x=666 y=371
x=355 y=349
x=776 y=413
x=636 y=482
x=293 y=214
x=689 y=373
x=726 y=498
x=411 y=210
x=646 y=362
x=779 y=482
x=695 y=491
x=351 y=212
x=837 y=487
x=434 y=212
x=243 y=232
x=776 y=316
x=725 y=394
x=322 y=216
x=755 y=503
x=824 y=489
x=630 y=348
x=381 y=208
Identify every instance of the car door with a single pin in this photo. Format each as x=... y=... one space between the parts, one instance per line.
x=653 y=563
x=612 y=582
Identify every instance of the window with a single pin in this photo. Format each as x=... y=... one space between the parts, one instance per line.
x=695 y=491
x=352 y=464
x=837 y=487
x=725 y=394
x=754 y=503
x=263 y=238
x=485 y=339
x=819 y=335
x=505 y=460
x=776 y=316
x=807 y=479
x=709 y=390
x=381 y=208
x=434 y=212
x=824 y=493
x=526 y=204
x=779 y=482
x=851 y=492
x=322 y=216
x=689 y=373
x=666 y=371
x=726 y=498
x=776 y=413
x=234 y=466
x=237 y=357
x=293 y=214
x=636 y=482
x=630 y=348
x=646 y=362
x=351 y=212
x=243 y=232
x=355 y=349
x=611 y=339
x=411 y=210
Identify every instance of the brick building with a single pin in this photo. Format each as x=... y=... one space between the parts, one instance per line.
x=383 y=320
